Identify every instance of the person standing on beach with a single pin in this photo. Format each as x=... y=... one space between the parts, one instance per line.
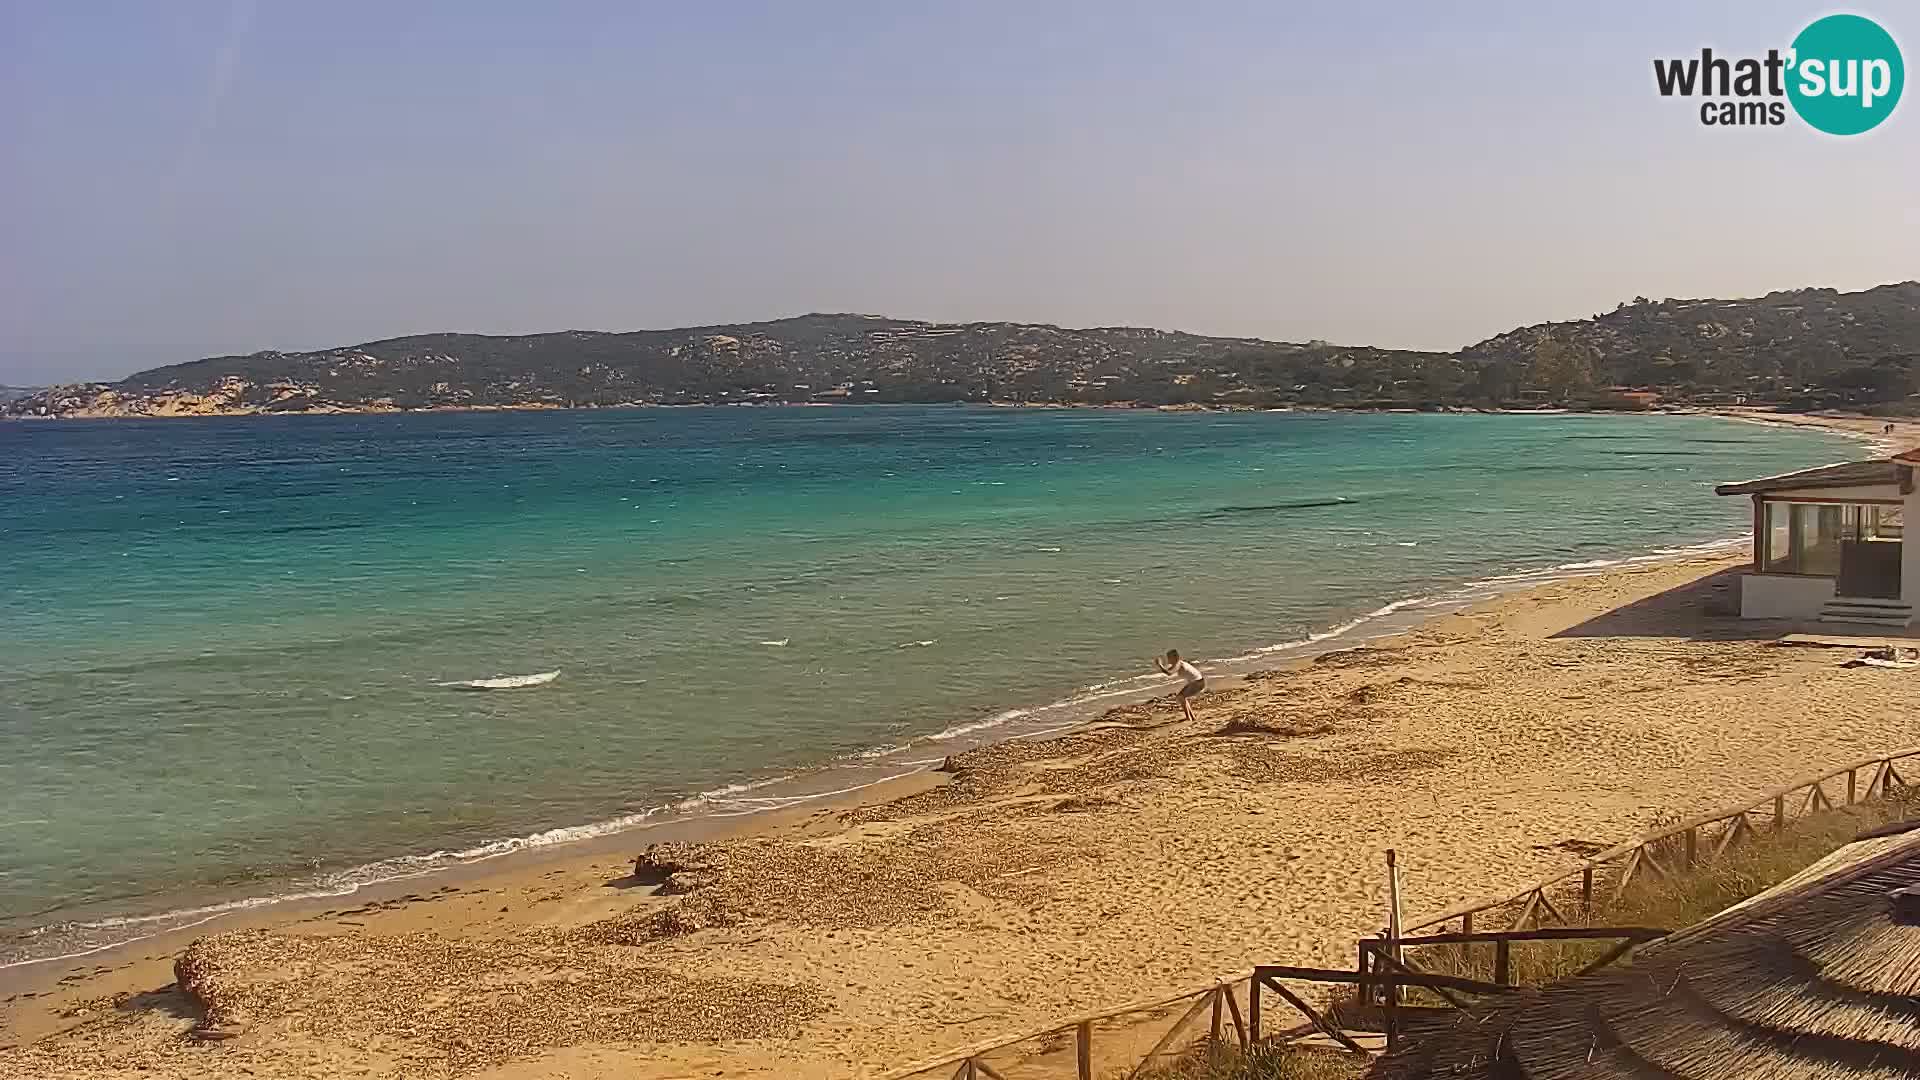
x=1182 y=669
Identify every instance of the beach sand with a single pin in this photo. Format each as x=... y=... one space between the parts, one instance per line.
x=1042 y=879
x=1872 y=429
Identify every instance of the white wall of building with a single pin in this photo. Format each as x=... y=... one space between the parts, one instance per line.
x=1789 y=596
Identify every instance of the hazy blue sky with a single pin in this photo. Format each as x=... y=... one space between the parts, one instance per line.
x=188 y=177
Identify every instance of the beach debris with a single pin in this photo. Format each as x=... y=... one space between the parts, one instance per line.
x=1262 y=725
x=461 y=1006
x=1586 y=849
x=777 y=643
x=688 y=916
x=1887 y=657
x=1083 y=804
x=1360 y=656
x=680 y=867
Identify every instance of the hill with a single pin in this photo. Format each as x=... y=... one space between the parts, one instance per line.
x=1807 y=347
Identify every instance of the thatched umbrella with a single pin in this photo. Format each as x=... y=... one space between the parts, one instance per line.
x=1817 y=978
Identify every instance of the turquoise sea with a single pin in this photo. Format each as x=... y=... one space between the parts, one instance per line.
x=225 y=640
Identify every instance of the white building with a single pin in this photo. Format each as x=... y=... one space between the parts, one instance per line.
x=1828 y=544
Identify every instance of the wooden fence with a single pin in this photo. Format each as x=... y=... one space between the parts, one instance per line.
x=1217 y=997
x=1687 y=843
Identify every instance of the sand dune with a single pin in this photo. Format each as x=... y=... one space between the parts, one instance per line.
x=1041 y=879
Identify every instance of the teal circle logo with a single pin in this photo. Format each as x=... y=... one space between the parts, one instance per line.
x=1845 y=74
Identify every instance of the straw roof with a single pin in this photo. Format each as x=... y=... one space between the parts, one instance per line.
x=1817 y=978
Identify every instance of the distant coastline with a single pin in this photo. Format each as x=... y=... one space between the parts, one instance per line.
x=1873 y=429
x=1802 y=350
x=540 y=406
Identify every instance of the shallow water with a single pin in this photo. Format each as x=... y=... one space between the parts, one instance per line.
x=226 y=639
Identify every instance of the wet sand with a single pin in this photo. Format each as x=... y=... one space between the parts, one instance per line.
x=1037 y=880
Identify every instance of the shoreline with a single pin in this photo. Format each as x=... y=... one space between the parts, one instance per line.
x=1850 y=423
x=1441 y=726
x=45 y=974
x=1884 y=434
x=695 y=817
x=709 y=813
x=412 y=901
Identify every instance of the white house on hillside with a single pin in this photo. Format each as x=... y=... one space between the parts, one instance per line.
x=1828 y=544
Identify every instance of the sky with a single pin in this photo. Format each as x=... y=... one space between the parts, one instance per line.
x=201 y=177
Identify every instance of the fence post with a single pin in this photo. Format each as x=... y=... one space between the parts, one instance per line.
x=1779 y=813
x=1253 y=1010
x=1214 y=1031
x=1586 y=891
x=1083 y=1049
x=1393 y=923
x=1393 y=1009
x=1693 y=845
x=1853 y=777
x=1503 y=962
x=1364 y=991
x=1466 y=923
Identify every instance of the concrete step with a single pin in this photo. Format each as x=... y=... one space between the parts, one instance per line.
x=1868 y=612
x=1869 y=602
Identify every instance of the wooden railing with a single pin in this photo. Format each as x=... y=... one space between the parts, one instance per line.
x=1219 y=996
x=1696 y=840
x=1687 y=843
x=1384 y=969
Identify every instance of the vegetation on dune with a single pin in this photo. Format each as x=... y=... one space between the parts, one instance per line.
x=1806 y=348
x=1695 y=894
x=1262 y=1063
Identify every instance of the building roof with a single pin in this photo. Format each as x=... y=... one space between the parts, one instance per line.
x=1818 y=977
x=1845 y=474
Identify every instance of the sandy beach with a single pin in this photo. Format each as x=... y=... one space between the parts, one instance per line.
x=1023 y=883
x=1039 y=879
x=1882 y=432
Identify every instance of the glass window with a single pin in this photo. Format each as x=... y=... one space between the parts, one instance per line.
x=1818 y=538
x=1806 y=538
x=1887 y=523
x=1777 y=558
x=1860 y=521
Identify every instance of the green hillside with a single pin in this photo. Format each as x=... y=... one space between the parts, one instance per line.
x=1806 y=348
